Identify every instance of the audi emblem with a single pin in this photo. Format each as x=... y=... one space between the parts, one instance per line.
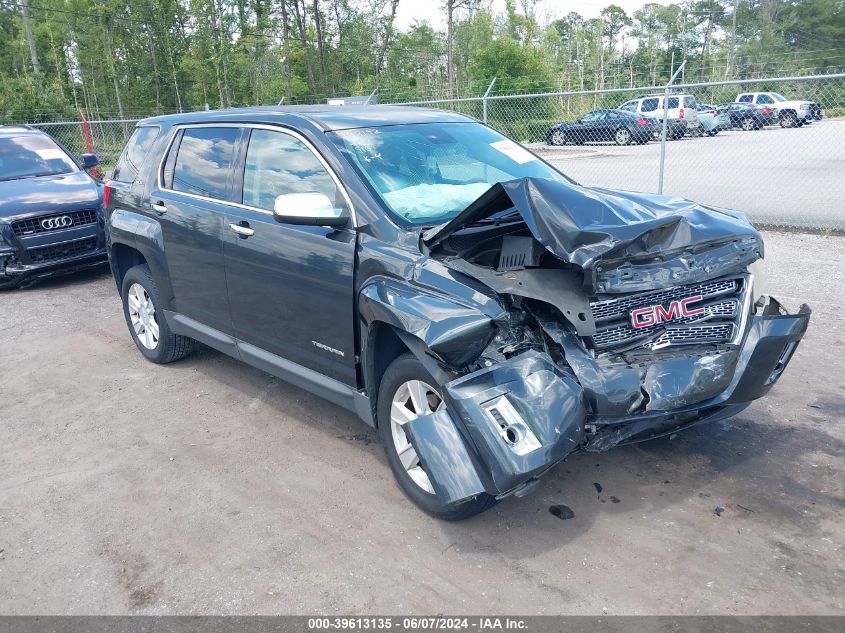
x=58 y=222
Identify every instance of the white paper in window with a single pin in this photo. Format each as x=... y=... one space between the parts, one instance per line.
x=51 y=153
x=513 y=151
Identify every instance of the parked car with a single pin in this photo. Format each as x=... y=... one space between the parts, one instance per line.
x=618 y=126
x=790 y=112
x=681 y=116
x=487 y=314
x=741 y=115
x=711 y=119
x=50 y=209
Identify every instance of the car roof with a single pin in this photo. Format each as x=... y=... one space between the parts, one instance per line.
x=18 y=130
x=328 y=117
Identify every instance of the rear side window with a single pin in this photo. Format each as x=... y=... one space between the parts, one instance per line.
x=764 y=99
x=673 y=102
x=204 y=161
x=744 y=99
x=136 y=150
x=276 y=164
x=649 y=105
x=690 y=102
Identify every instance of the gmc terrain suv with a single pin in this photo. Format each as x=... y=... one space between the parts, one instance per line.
x=488 y=315
x=50 y=209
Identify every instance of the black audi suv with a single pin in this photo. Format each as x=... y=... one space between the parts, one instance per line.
x=486 y=313
x=50 y=209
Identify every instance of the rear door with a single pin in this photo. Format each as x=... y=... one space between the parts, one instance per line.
x=290 y=287
x=190 y=201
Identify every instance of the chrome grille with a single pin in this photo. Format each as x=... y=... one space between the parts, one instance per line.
x=619 y=308
x=32 y=226
x=722 y=301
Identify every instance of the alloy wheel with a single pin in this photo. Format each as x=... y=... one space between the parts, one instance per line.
x=623 y=137
x=142 y=314
x=558 y=138
x=413 y=399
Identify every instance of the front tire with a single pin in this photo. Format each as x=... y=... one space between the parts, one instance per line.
x=147 y=325
x=558 y=138
x=622 y=136
x=788 y=119
x=407 y=391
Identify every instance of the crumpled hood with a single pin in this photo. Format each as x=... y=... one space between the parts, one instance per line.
x=624 y=241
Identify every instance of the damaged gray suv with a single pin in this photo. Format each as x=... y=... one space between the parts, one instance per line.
x=488 y=315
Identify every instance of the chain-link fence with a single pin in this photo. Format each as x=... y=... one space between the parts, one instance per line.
x=774 y=148
x=105 y=138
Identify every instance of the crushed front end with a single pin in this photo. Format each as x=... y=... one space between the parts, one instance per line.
x=645 y=330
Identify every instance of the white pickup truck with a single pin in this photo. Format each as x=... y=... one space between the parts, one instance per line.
x=791 y=112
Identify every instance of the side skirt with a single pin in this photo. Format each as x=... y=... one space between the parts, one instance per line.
x=328 y=388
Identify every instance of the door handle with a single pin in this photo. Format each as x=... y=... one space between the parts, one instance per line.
x=160 y=208
x=241 y=231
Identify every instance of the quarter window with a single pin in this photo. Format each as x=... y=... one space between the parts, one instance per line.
x=133 y=156
x=276 y=164
x=204 y=161
x=745 y=98
x=764 y=99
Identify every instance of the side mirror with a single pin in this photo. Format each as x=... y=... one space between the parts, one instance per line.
x=89 y=161
x=311 y=209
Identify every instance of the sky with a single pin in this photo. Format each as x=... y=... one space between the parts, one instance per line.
x=547 y=10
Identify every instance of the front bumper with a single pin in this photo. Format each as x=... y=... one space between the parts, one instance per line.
x=506 y=425
x=13 y=273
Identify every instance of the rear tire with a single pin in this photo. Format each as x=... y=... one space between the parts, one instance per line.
x=145 y=318
x=403 y=371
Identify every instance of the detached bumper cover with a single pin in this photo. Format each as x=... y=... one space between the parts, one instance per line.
x=505 y=425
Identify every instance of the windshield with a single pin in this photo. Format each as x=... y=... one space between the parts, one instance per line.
x=428 y=173
x=32 y=155
x=779 y=97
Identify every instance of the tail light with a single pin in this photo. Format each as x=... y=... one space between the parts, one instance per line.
x=767 y=111
x=106 y=194
x=681 y=114
x=712 y=113
x=643 y=121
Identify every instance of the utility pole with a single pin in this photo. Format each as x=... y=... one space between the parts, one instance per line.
x=27 y=27
x=732 y=53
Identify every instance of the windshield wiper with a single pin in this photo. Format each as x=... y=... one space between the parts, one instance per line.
x=49 y=173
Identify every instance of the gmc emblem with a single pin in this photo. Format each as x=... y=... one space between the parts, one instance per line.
x=652 y=315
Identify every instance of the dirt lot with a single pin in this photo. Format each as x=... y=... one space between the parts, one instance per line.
x=210 y=487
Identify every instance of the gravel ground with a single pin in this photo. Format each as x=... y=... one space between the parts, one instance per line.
x=210 y=487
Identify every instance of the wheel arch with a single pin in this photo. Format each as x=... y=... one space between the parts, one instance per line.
x=384 y=345
x=123 y=257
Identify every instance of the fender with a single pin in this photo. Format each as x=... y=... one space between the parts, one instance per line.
x=144 y=234
x=454 y=333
